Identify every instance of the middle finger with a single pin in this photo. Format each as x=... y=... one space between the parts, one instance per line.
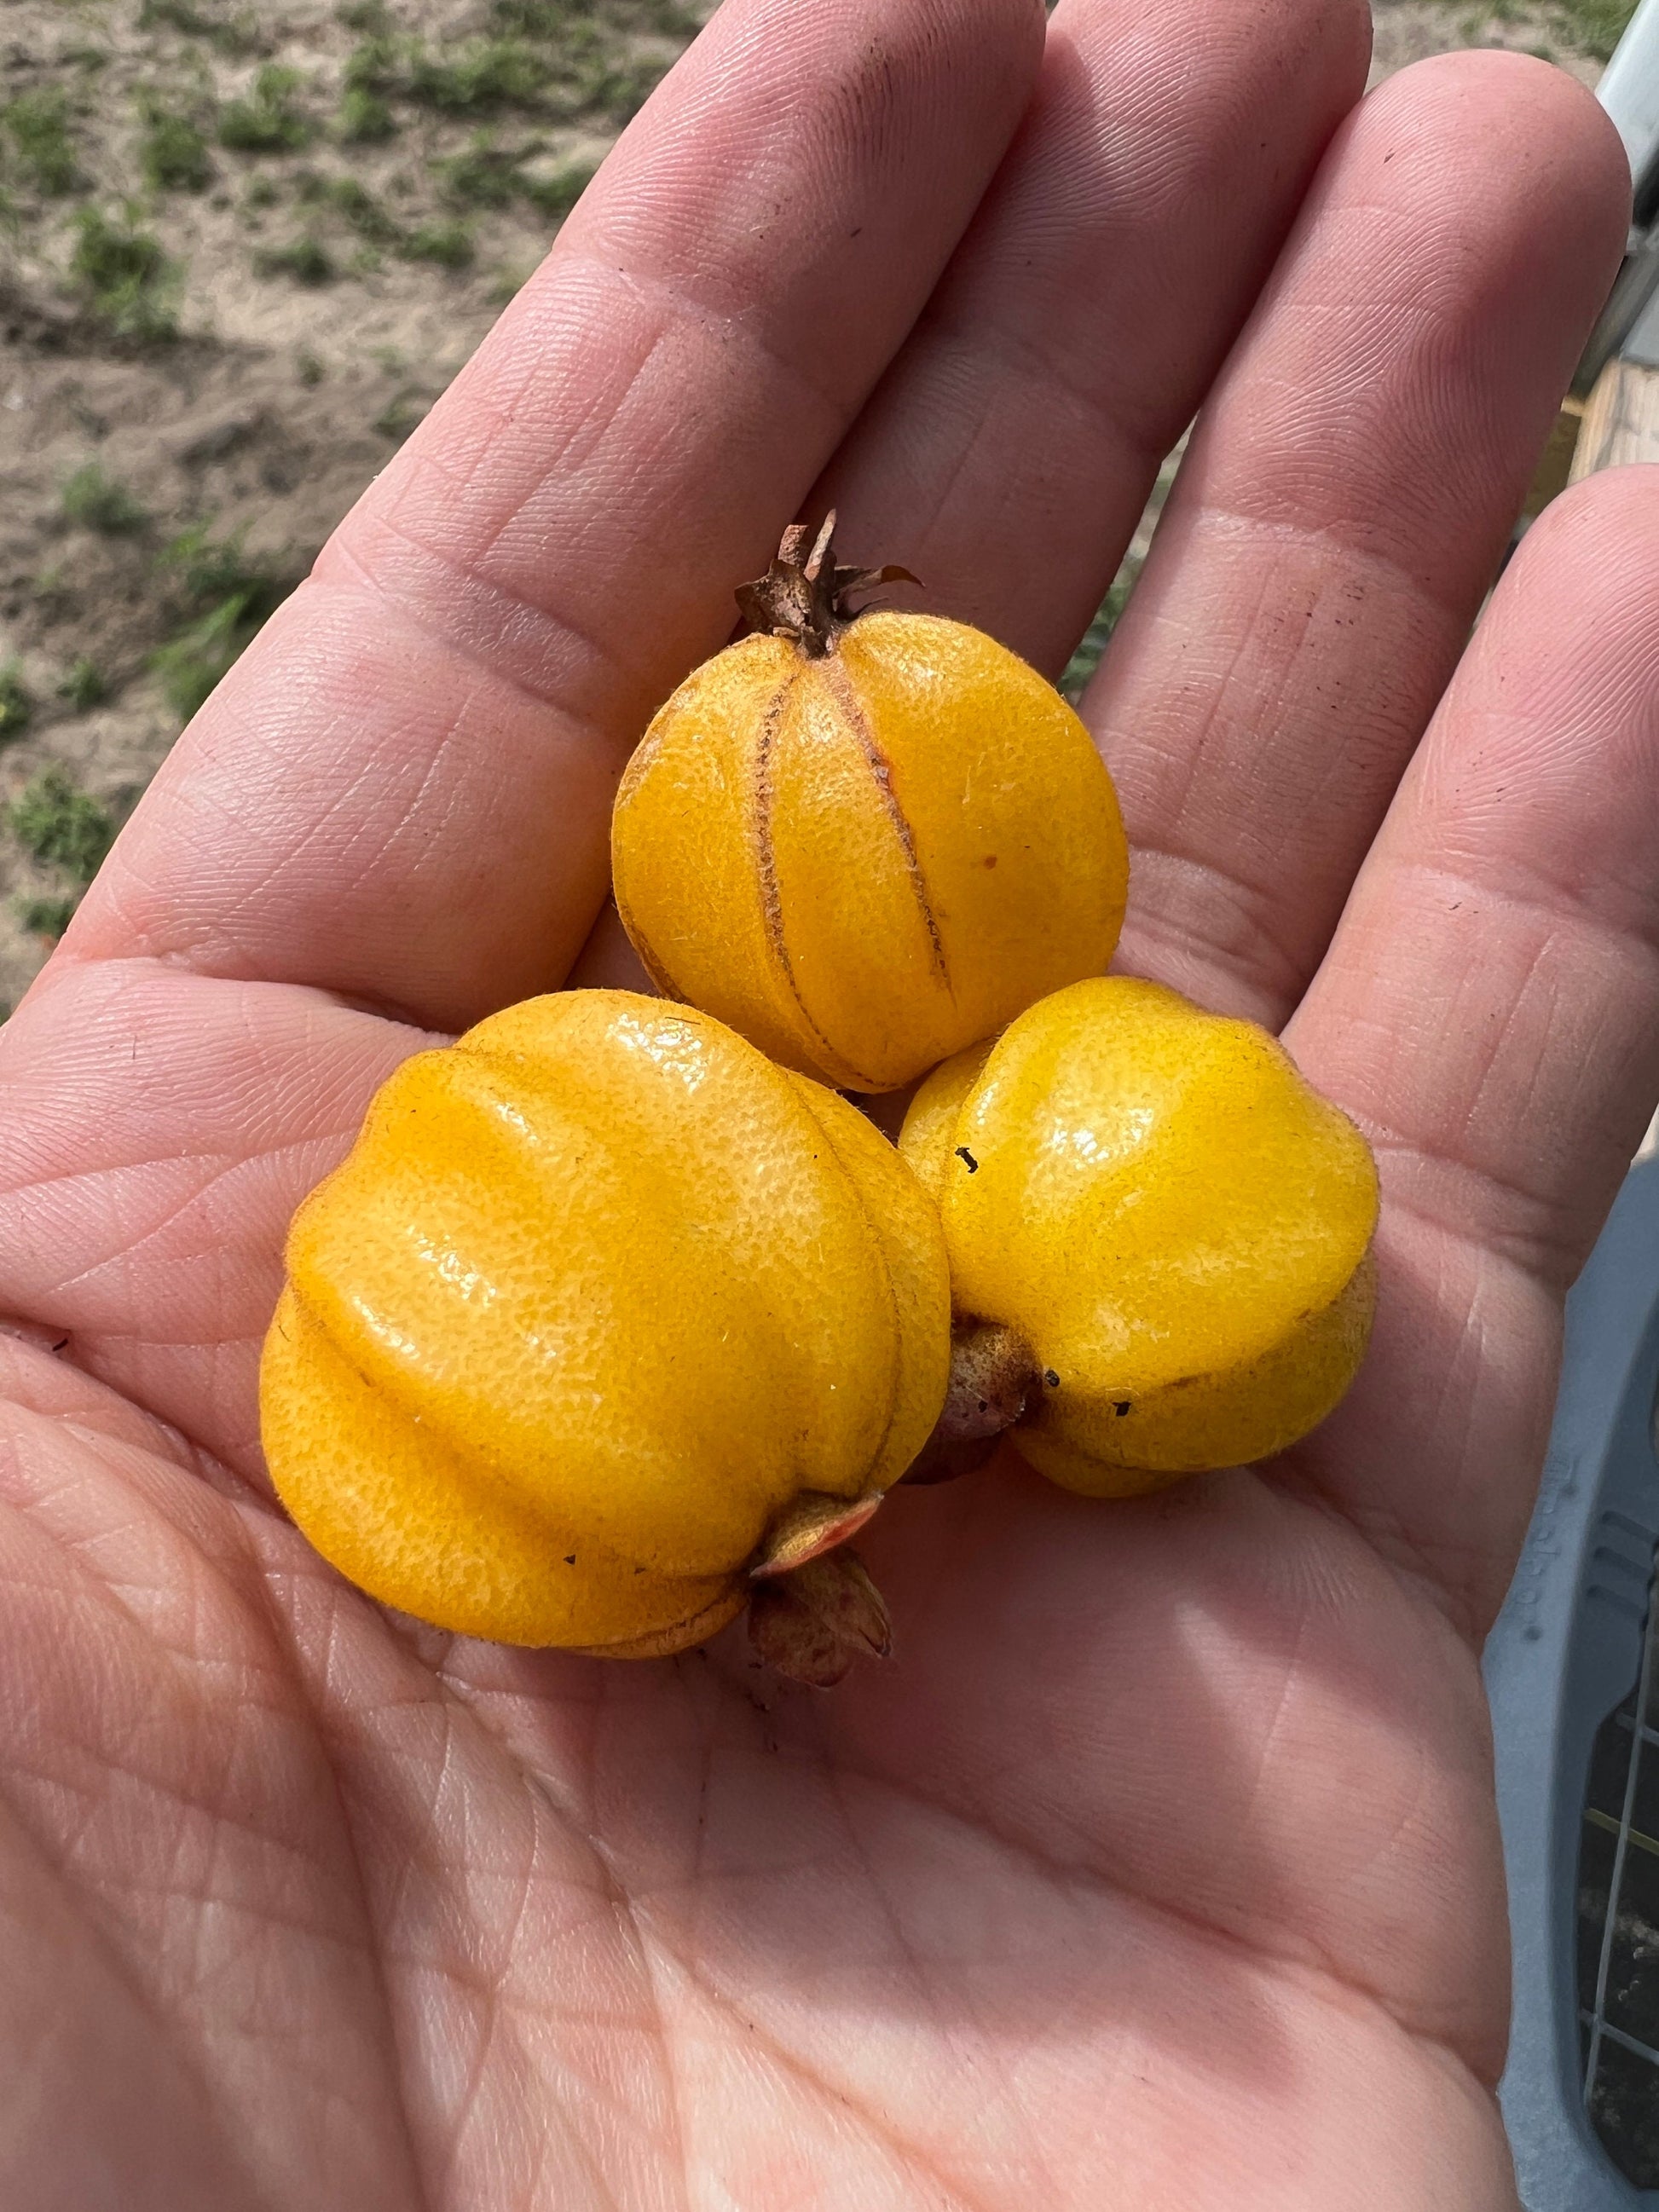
x=1007 y=453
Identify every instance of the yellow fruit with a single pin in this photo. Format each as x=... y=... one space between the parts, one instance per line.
x=1171 y=1225
x=865 y=842
x=601 y=1312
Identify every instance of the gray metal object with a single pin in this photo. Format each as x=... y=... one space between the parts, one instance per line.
x=1569 y=1647
x=1629 y=90
x=1628 y=327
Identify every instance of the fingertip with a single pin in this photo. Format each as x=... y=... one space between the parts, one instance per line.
x=1596 y=517
x=1527 y=117
x=1577 y=600
x=1503 y=179
x=1554 y=715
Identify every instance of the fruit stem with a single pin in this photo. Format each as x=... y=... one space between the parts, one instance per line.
x=993 y=1375
x=804 y=595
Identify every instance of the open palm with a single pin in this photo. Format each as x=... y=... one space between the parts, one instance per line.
x=1159 y=1869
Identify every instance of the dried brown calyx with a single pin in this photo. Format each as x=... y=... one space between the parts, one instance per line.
x=993 y=1379
x=805 y=596
x=812 y=1607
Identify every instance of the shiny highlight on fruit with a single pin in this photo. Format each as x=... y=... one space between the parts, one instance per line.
x=602 y=1317
x=1160 y=1239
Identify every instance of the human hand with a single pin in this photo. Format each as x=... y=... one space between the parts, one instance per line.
x=1160 y=1868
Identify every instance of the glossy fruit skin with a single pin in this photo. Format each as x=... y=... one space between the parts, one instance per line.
x=865 y=858
x=596 y=1295
x=1174 y=1222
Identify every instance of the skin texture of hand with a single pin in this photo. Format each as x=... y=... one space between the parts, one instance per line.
x=1160 y=1868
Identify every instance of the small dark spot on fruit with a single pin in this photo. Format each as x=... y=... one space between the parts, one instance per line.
x=1051 y=1378
x=964 y=1154
x=1120 y=1407
x=570 y=1559
x=989 y=861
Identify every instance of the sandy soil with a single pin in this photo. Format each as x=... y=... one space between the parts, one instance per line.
x=311 y=335
x=1409 y=30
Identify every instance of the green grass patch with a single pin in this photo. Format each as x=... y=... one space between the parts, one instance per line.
x=557 y=194
x=233 y=31
x=364 y=118
x=1597 y=26
x=376 y=65
x=403 y=413
x=37 y=130
x=305 y=260
x=16 y=703
x=173 y=153
x=124 y=277
x=96 y=502
x=484 y=75
x=209 y=567
x=45 y=917
x=486 y=175
x=372 y=69
x=506 y=284
x=192 y=661
x=550 y=57
x=351 y=199
x=59 y=826
x=265 y=120
x=621 y=93
x=83 y=685
x=543 y=20
x=483 y=174
x=233 y=594
x=1095 y=639
x=553 y=21
x=448 y=245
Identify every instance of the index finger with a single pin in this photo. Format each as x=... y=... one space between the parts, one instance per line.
x=401 y=792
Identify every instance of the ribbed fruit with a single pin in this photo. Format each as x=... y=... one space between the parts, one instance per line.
x=865 y=841
x=601 y=1313
x=1154 y=1215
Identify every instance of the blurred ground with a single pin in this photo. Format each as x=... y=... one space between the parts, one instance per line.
x=241 y=251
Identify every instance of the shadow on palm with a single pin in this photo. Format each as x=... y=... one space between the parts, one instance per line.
x=1153 y=1778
